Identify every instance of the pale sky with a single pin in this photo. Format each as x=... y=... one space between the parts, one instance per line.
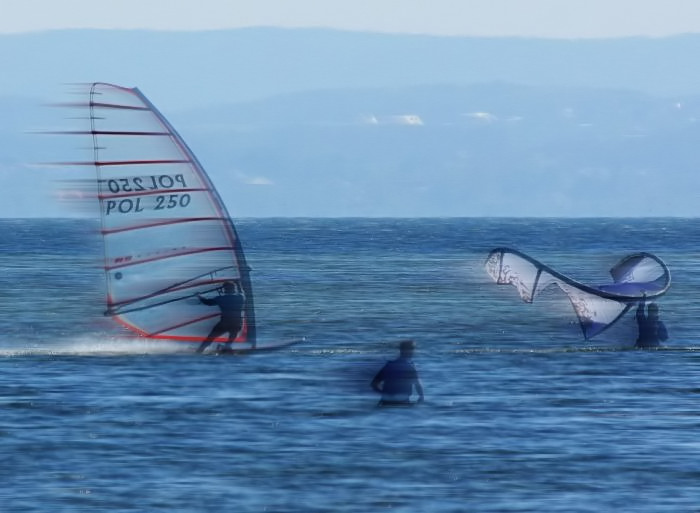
x=533 y=18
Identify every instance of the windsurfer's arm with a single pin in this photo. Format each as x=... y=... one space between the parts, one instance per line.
x=377 y=380
x=208 y=302
x=419 y=390
x=640 y=309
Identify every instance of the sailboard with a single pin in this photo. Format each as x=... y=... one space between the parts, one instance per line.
x=168 y=236
x=634 y=278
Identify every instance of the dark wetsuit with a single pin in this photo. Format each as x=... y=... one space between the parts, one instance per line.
x=399 y=377
x=651 y=329
x=231 y=306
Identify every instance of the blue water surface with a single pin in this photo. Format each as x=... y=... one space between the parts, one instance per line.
x=521 y=413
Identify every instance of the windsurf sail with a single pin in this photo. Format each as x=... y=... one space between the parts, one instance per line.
x=634 y=277
x=167 y=234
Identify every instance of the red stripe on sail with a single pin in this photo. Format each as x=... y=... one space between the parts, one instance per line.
x=180 y=338
x=106 y=163
x=106 y=132
x=140 y=162
x=117 y=106
x=186 y=323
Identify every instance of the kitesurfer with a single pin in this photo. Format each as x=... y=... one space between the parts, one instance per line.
x=231 y=303
x=398 y=378
x=651 y=329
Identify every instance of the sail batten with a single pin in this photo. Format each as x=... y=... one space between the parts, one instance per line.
x=98 y=163
x=116 y=106
x=114 y=306
x=111 y=132
x=121 y=262
x=167 y=235
x=128 y=133
x=178 y=326
x=105 y=163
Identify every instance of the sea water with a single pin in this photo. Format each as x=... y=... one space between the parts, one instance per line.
x=521 y=413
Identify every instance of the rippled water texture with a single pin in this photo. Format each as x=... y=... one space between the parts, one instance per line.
x=521 y=413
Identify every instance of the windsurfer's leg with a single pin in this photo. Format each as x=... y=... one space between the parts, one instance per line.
x=239 y=332
x=215 y=332
x=253 y=343
x=204 y=345
x=227 y=345
x=233 y=333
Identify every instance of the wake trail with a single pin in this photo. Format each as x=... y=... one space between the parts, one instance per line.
x=99 y=346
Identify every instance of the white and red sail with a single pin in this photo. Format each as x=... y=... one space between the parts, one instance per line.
x=167 y=234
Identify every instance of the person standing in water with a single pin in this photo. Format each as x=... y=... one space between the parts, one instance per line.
x=231 y=304
x=397 y=379
x=651 y=329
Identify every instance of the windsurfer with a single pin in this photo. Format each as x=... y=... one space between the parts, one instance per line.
x=651 y=329
x=231 y=304
x=398 y=378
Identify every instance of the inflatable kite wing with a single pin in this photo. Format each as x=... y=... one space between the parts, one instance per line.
x=597 y=308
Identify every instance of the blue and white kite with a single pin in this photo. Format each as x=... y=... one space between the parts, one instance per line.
x=635 y=277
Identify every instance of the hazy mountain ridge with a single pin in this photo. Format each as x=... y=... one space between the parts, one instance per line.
x=472 y=154
x=325 y=123
x=196 y=68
